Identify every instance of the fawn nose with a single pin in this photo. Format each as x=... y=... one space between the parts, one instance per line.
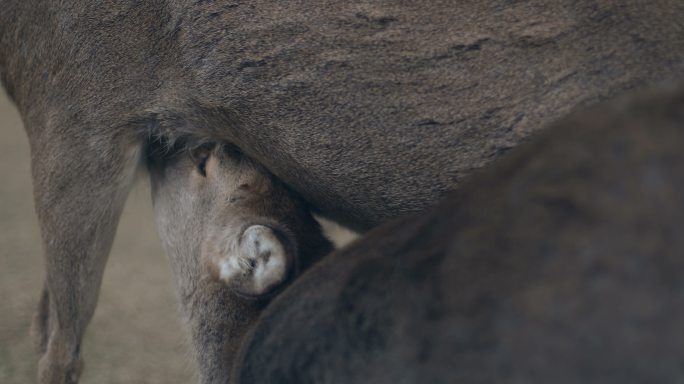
x=258 y=263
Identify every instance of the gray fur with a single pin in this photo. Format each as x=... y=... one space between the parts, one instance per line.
x=560 y=264
x=191 y=209
x=368 y=111
x=400 y=100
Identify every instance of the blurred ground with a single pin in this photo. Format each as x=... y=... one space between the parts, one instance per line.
x=136 y=335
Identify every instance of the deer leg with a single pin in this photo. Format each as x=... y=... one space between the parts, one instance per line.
x=79 y=189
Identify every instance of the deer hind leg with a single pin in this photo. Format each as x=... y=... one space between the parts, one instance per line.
x=79 y=189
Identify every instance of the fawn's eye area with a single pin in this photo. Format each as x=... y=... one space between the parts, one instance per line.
x=202 y=165
x=201 y=155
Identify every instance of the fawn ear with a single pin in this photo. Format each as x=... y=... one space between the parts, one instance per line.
x=259 y=262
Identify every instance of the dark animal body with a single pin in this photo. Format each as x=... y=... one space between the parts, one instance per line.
x=366 y=111
x=560 y=264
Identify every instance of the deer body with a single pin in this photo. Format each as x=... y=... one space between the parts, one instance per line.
x=560 y=264
x=368 y=111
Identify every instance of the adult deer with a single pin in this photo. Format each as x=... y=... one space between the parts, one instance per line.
x=560 y=264
x=368 y=111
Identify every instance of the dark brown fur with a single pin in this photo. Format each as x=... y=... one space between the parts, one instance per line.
x=368 y=110
x=562 y=263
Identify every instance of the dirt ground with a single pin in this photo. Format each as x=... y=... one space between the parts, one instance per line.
x=136 y=335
